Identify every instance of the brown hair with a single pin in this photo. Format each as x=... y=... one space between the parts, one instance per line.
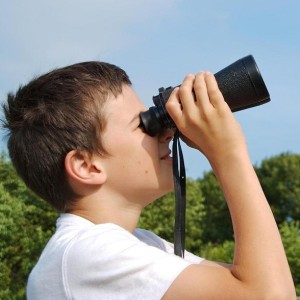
x=54 y=114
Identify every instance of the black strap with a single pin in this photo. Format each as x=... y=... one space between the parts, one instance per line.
x=180 y=196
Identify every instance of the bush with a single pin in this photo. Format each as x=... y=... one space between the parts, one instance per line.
x=26 y=224
x=290 y=234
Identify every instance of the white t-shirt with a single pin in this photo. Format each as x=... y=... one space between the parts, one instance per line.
x=87 y=261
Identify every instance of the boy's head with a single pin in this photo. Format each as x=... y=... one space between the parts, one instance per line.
x=56 y=113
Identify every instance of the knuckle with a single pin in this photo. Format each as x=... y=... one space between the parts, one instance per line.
x=171 y=107
x=184 y=91
x=193 y=120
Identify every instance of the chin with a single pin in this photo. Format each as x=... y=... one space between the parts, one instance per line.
x=168 y=187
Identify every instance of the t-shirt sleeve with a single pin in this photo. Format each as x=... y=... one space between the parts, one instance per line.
x=114 y=264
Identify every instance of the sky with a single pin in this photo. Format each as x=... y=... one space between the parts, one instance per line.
x=158 y=42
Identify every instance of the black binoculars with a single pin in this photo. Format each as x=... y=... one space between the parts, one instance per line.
x=241 y=84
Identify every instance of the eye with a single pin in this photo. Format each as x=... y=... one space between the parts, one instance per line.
x=141 y=126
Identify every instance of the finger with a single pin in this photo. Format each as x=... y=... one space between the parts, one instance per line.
x=215 y=96
x=186 y=95
x=201 y=93
x=173 y=106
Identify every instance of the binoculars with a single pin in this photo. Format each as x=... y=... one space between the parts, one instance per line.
x=241 y=84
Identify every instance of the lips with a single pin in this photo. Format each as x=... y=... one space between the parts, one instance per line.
x=167 y=155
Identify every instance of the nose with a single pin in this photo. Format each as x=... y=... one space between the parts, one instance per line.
x=166 y=135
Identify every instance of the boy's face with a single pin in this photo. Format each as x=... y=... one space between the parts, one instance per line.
x=139 y=166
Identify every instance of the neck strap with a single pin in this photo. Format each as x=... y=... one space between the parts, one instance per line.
x=180 y=196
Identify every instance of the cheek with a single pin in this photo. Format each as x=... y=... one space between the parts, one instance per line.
x=134 y=155
x=139 y=161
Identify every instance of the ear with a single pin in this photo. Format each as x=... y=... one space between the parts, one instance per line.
x=85 y=168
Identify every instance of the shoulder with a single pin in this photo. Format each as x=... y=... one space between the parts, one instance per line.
x=114 y=258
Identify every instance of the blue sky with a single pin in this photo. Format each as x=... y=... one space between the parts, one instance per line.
x=159 y=41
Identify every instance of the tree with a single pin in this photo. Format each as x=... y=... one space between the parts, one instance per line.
x=26 y=224
x=280 y=180
x=290 y=234
x=216 y=223
x=218 y=252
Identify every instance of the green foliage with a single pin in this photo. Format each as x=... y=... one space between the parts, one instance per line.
x=280 y=179
x=194 y=214
x=217 y=220
x=218 y=252
x=159 y=217
x=26 y=223
x=290 y=234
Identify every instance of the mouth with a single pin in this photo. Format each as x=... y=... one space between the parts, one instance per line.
x=167 y=156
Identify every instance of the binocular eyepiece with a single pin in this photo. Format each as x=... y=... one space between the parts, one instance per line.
x=241 y=84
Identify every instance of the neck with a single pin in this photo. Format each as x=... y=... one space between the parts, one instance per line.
x=125 y=216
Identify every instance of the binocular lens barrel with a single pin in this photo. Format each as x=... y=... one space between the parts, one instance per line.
x=240 y=83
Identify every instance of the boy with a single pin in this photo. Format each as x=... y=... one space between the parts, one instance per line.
x=76 y=140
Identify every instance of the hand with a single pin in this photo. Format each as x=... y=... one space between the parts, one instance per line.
x=204 y=118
